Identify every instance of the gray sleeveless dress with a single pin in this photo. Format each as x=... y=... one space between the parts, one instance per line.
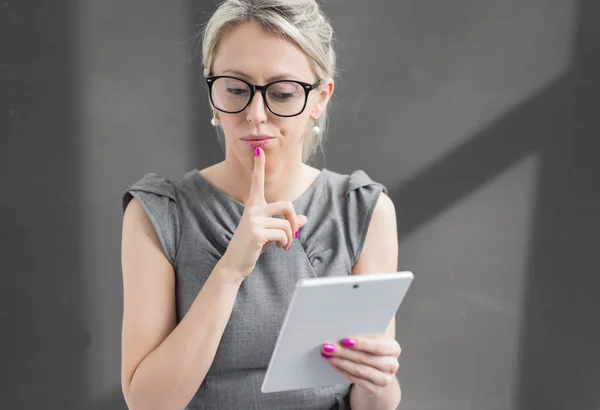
x=195 y=222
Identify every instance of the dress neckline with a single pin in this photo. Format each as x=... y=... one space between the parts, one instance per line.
x=217 y=191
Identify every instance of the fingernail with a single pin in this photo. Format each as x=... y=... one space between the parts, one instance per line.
x=325 y=356
x=288 y=248
x=329 y=348
x=256 y=152
x=296 y=234
x=349 y=342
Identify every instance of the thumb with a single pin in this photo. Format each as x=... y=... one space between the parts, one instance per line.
x=302 y=220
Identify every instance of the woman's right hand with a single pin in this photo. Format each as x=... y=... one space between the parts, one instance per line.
x=258 y=227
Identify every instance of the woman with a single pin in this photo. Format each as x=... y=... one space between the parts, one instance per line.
x=204 y=292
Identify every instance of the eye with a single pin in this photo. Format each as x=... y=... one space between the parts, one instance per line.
x=282 y=96
x=284 y=91
x=237 y=91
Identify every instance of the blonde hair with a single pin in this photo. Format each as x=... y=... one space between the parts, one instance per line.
x=299 y=21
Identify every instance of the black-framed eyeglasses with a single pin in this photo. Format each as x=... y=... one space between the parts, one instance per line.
x=284 y=98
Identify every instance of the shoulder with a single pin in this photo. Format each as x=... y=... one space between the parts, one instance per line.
x=384 y=209
x=155 y=211
x=362 y=205
x=382 y=226
x=380 y=249
x=357 y=180
x=150 y=183
x=160 y=186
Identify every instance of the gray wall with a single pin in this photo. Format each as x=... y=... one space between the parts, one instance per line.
x=478 y=116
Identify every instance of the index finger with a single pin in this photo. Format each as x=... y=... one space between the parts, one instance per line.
x=257 y=186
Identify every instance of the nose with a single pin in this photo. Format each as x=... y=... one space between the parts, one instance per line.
x=257 y=110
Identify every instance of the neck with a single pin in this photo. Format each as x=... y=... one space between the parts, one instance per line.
x=283 y=179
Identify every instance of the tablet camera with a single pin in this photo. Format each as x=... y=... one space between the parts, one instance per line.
x=355 y=286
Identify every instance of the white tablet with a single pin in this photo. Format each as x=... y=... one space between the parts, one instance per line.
x=330 y=309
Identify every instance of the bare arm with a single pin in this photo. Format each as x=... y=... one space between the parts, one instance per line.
x=163 y=364
x=379 y=254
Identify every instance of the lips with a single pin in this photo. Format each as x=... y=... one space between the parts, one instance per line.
x=259 y=137
x=256 y=141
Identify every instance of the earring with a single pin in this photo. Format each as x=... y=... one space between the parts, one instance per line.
x=214 y=120
x=316 y=130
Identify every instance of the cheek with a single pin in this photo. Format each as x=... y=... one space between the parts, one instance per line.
x=293 y=128
x=233 y=124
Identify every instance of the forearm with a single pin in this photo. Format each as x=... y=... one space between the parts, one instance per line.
x=171 y=374
x=389 y=399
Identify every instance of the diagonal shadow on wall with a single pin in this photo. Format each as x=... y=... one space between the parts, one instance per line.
x=559 y=363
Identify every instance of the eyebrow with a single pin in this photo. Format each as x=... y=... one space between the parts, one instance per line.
x=282 y=76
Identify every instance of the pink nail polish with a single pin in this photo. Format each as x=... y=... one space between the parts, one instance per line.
x=256 y=152
x=349 y=342
x=296 y=234
x=328 y=348
x=325 y=356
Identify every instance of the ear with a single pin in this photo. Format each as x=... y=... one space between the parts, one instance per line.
x=325 y=90
x=213 y=110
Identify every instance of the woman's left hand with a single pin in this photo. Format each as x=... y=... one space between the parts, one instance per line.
x=369 y=363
